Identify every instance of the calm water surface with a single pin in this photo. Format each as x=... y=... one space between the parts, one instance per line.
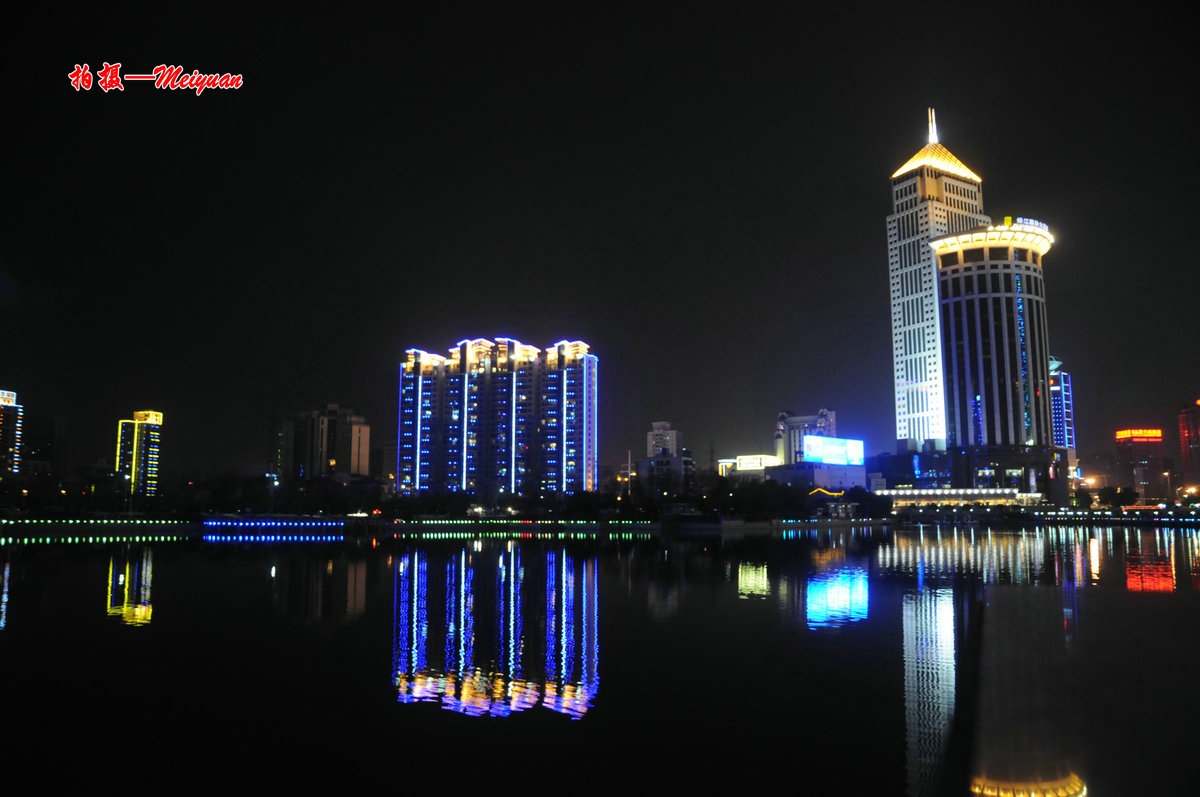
x=873 y=661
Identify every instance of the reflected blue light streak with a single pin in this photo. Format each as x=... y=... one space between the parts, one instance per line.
x=836 y=598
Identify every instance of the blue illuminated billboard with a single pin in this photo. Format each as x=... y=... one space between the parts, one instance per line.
x=833 y=450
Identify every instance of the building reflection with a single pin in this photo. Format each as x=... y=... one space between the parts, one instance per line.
x=470 y=625
x=1032 y=597
x=4 y=577
x=320 y=591
x=130 y=579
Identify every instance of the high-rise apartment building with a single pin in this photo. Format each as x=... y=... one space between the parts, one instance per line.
x=138 y=441
x=12 y=417
x=497 y=418
x=1062 y=414
x=996 y=354
x=325 y=442
x=662 y=437
x=1189 y=445
x=933 y=195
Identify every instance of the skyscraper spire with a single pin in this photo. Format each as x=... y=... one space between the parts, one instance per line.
x=932 y=128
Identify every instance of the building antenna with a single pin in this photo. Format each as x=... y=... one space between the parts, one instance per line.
x=932 y=128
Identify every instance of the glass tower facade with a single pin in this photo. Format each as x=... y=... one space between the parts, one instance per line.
x=933 y=195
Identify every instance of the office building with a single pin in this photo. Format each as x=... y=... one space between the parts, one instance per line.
x=933 y=195
x=325 y=442
x=499 y=418
x=1189 y=445
x=833 y=464
x=12 y=417
x=791 y=429
x=996 y=354
x=1062 y=415
x=662 y=437
x=138 y=442
x=1141 y=464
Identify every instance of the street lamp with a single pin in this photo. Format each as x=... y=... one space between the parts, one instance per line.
x=1170 y=495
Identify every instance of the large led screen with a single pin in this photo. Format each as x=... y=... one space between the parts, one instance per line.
x=833 y=450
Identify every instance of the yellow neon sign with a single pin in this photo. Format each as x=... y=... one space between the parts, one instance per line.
x=1139 y=434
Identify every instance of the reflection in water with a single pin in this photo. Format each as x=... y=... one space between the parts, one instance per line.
x=496 y=675
x=4 y=596
x=752 y=580
x=1032 y=596
x=1150 y=563
x=929 y=683
x=836 y=597
x=320 y=591
x=129 y=586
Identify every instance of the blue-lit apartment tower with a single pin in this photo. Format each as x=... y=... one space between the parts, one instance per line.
x=568 y=416
x=493 y=418
x=1062 y=414
x=138 y=442
x=12 y=417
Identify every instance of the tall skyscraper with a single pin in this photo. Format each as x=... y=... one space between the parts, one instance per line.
x=12 y=417
x=138 y=443
x=996 y=352
x=324 y=442
x=499 y=418
x=1062 y=414
x=933 y=195
x=1189 y=445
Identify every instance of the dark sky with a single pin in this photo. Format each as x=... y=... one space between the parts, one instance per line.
x=700 y=195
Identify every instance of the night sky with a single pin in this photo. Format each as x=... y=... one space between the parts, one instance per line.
x=699 y=195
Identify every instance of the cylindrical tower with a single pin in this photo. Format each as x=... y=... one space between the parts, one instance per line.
x=994 y=336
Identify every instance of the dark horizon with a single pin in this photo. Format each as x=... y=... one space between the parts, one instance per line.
x=700 y=197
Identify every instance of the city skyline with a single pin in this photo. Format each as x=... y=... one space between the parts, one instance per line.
x=700 y=198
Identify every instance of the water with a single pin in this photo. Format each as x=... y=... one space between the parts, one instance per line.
x=867 y=660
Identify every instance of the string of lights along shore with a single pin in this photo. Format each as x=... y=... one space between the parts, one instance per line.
x=499 y=418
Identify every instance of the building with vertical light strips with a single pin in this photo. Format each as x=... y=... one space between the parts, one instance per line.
x=498 y=418
x=996 y=353
x=1062 y=414
x=933 y=195
x=12 y=417
x=138 y=441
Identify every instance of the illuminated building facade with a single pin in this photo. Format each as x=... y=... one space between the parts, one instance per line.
x=324 y=442
x=11 y=419
x=833 y=464
x=933 y=195
x=996 y=354
x=138 y=441
x=791 y=429
x=1062 y=414
x=1140 y=463
x=498 y=418
x=1189 y=444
